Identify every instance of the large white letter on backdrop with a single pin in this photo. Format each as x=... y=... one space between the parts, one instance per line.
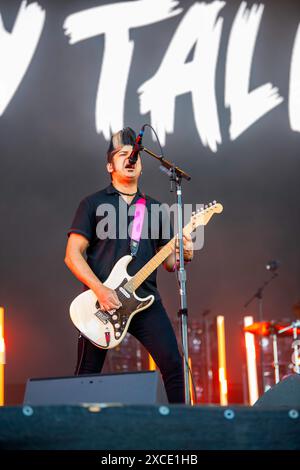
x=115 y=22
x=17 y=49
x=294 y=94
x=201 y=28
x=246 y=107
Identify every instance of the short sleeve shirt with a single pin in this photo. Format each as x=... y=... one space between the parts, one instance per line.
x=105 y=220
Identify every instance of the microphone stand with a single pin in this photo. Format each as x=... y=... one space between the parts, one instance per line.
x=176 y=174
x=259 y=295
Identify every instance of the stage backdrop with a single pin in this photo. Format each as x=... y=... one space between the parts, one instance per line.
x=219 y=81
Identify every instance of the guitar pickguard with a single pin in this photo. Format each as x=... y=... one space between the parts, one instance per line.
x=119 y=319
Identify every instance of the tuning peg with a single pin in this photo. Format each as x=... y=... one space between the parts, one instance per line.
x=210 y=204
x=206 y=206
x=214 y=202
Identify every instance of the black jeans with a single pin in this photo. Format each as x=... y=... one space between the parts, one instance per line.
x=154 y=330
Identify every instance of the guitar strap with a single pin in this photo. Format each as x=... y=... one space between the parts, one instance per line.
x=137 y=225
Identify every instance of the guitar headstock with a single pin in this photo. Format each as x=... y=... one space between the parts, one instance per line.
x=203 y=215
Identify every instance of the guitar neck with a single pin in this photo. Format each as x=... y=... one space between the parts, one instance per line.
x=149 y=267
x=201 y=218
x=153 y=264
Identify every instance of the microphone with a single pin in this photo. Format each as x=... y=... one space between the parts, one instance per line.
x=272 y=265
x=137 y=147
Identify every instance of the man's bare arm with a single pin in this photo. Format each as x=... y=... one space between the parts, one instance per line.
x=74 y=259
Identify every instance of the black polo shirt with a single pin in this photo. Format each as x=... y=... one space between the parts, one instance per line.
x=103 y=253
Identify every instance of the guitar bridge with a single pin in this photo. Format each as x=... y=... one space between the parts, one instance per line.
x=102 y=316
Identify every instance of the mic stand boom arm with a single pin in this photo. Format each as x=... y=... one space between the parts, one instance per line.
x=168 y=165
x=259 y=295
x=260 y=290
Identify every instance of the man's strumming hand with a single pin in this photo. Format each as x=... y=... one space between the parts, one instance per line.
x=108 y=299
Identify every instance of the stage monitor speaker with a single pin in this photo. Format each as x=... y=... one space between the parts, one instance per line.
x=139 y=388
x=285 y=394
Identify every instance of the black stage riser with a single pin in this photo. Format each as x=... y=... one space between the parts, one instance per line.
x=153 y=427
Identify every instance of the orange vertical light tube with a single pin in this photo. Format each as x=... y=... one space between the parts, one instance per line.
x=251 y=362
x=191 y=382
x=2 y=356
x=222 y=360
x=152 y=365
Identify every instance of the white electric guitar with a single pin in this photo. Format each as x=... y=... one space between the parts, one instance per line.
x=107 y=329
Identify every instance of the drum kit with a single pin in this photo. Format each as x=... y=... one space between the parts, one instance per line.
x=276 y=330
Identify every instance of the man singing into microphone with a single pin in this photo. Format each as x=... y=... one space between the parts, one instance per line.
x=91 y=260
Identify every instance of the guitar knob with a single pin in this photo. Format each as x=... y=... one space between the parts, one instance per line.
x=118 y=334
x=117 y=325
x=115 y=317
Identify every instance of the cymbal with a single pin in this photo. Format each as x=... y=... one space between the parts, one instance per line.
x=289 y=332
x=263 y=328
x=267 y=328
